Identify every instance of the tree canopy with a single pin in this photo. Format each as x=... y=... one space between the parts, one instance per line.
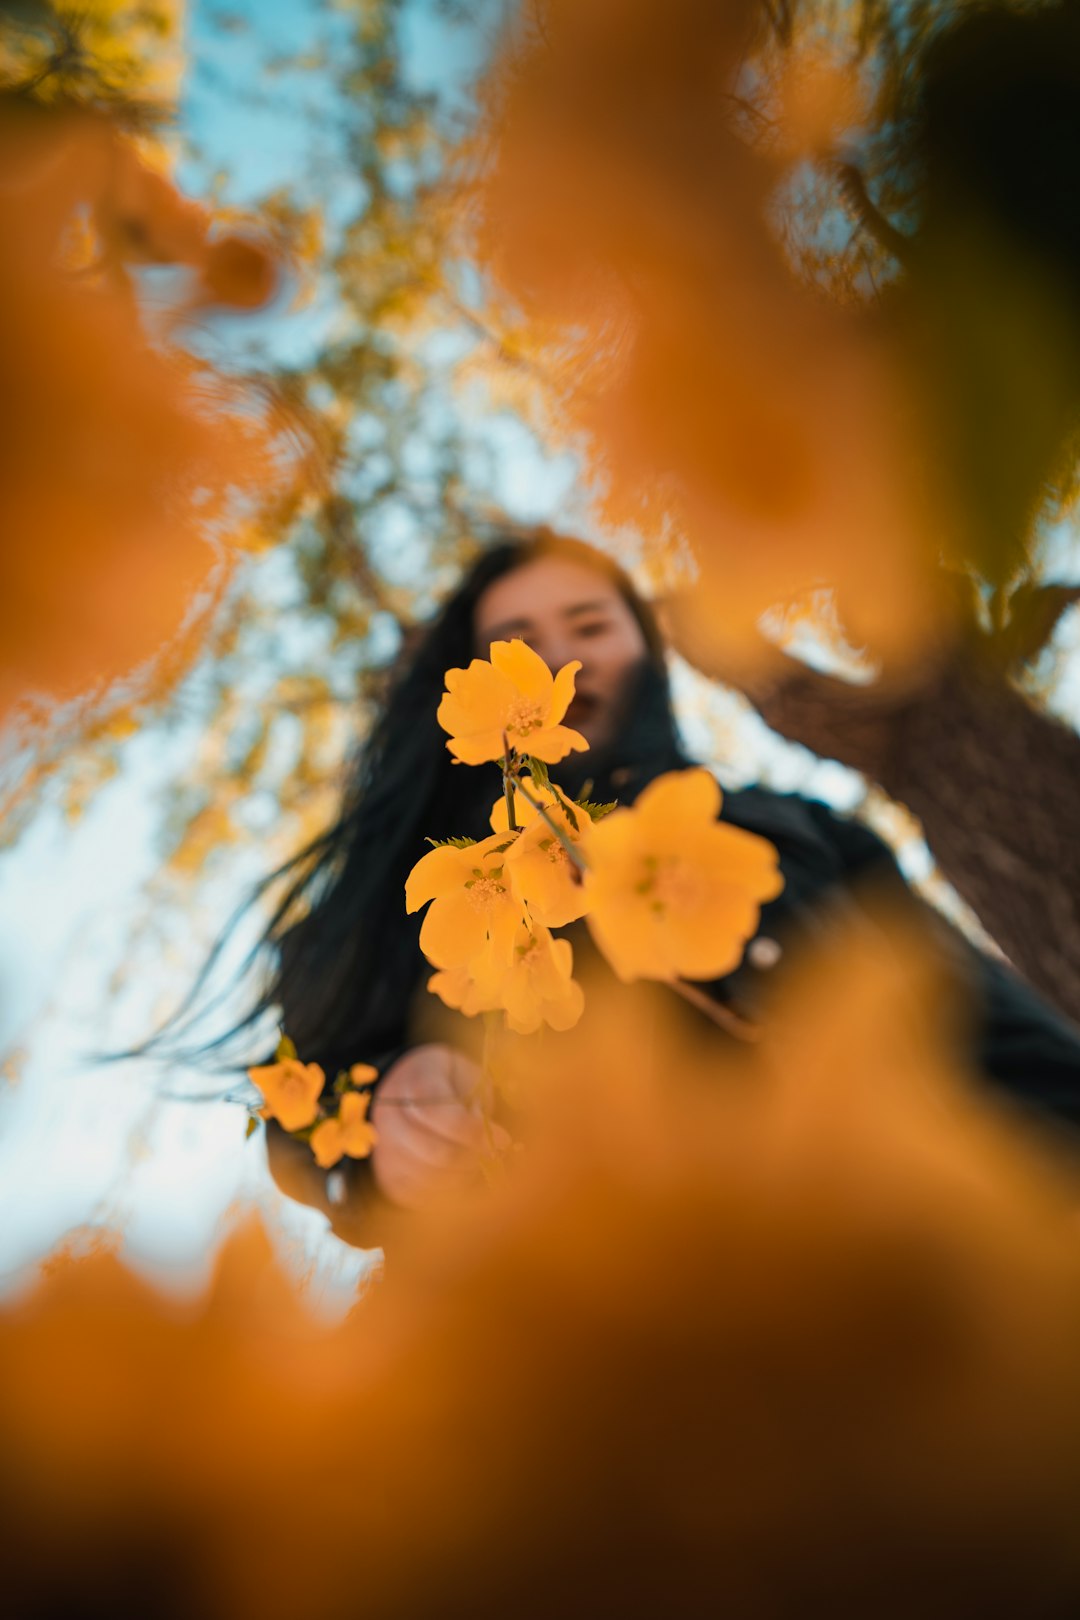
x=782 y=281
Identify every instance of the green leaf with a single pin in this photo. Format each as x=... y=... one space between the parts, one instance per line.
x=568 y=806
x=342 y=1082
x=450 y=843
x=284 y=1049
x=596 y=812
x=538 y=771
x=252 y=1127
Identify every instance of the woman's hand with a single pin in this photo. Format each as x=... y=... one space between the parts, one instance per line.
x=431 y=1132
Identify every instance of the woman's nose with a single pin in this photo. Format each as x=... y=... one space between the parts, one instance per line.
x=556 y=651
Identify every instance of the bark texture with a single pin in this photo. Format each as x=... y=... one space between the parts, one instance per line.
x=994 y=780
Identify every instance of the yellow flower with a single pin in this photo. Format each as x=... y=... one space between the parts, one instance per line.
x=291 y=1091
x=361 y=1073
x=540 y=987
x=474 y=989
x=473 y=909
x=514 y=696
x=535 y=986
x=542 y=874
x=349 y=1133
x=672 y=892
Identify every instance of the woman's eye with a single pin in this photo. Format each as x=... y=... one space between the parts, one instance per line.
x=596 y=628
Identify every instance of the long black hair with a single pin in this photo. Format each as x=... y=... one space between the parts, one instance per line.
x=345 y=972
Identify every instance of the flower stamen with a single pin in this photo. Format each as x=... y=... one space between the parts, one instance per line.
x=524 y=716
x=484 y=891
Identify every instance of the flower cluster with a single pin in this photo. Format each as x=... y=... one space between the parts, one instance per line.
x=495 y=902
x=667 y=890
x=292 y=1093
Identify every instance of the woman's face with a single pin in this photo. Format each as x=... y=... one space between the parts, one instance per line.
x=566 y=610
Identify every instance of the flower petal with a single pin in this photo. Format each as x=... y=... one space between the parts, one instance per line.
x=544 y=878
x=708 y=942
x=555 y=742
x=517 y=662
x=563 y=693
x=540 y=988
x=459 y=990
x=291 y=1090
x=327 y=1144
x=435 y=873
x=730 y=854
x=452 y=986
x=454 y=931
x=680 y=796
x=504 y=921
x=521 y=1003
x=358 y=1135
x=476 y=699
x=564 y=1011
x=625 y=932
x=478 y=748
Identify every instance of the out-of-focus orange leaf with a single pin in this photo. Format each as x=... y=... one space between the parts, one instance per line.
x=121 y=458
x=742 y=1329
x=629 y=226
x=238 y=273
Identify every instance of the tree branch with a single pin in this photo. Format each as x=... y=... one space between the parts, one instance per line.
x=869 y=215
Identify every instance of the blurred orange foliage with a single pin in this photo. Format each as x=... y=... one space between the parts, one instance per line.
x=122 y=457
x=722 y=403
x=778 y=1332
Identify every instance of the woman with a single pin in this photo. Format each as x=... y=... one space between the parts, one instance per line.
x=350 y=975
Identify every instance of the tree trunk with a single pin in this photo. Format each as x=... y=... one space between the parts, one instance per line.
x=994 y=781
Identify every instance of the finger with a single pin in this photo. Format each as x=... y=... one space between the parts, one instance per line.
x=421 y=1188
x=453 y=1122
x=468 y=1134
x=438 y=1083
x=429 y=1074
x=468 y=1082
x=411 y=1177
x=429 y=1147
x=465 y=1078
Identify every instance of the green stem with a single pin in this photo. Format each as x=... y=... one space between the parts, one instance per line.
x=723 y=1016
x=508 y=785
x=486 y=1089
x=564 y=839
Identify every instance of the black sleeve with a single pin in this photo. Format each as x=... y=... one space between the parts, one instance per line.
x=860 y=852
x=1025 y=1046
x=1021 y=1043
